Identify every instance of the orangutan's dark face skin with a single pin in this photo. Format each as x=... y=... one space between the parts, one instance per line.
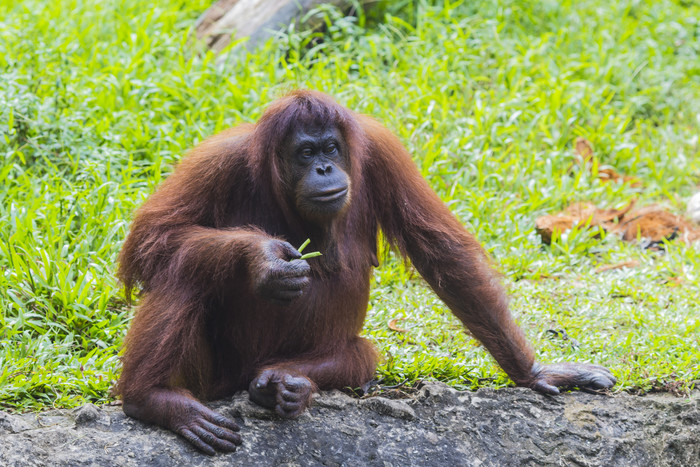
x=316 y=166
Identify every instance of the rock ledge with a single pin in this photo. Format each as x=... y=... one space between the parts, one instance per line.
x=440 y=426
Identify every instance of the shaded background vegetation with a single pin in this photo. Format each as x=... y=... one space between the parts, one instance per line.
x=99 y=100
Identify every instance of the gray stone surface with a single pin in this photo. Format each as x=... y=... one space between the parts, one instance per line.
x=439 y=426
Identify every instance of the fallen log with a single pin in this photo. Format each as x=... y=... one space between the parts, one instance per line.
x=256 y=19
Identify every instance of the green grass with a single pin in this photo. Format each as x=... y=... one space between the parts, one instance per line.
x=98 y=101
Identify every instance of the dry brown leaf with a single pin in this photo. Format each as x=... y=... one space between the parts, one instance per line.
x=581 y=215
x=581 y=210
x=584 y=149
x=584 y=157
x=655 y=224
x=633 y=263
x=605 y=216
x=547 y=225
x=652 y=223
x=633 y=181
x=586 y=212
x=608 y=174
x=394 y=327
